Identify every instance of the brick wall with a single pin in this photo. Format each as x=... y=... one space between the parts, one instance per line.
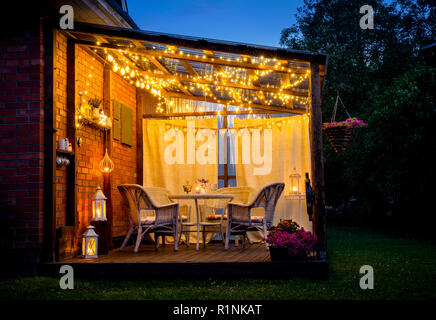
x=21 y=138
x=124 y=156
x=60 y=100
x=89 y=81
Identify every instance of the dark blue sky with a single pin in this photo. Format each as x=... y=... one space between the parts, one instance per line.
x=250 y=21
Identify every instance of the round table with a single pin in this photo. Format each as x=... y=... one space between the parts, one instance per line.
x=200 y=196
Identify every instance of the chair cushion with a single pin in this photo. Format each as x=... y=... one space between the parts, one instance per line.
x=183 y=218
x=148 y=220
x=215 y=217
x=257 y=219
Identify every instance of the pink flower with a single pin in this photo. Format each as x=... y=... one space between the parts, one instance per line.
x=298 y=243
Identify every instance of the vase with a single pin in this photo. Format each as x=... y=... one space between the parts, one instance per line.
x=282 y=254
x=187 y=188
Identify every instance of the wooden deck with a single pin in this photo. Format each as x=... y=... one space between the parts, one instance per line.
x=210 y=262
x=212 y=253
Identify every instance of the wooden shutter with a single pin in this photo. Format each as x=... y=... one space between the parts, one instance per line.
x=116 y=122
x=126 y=125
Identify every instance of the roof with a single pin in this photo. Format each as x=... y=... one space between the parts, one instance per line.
x=115 y=5
x=194 y=68
x=201 y=43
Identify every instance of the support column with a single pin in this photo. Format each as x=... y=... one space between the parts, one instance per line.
x=139 y=138
x=319 y=221
x=107 y=185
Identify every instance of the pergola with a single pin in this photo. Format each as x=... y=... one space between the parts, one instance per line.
x=254 y=79
x=230 y=78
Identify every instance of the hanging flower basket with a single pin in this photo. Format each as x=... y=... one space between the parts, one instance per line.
x=339 y=133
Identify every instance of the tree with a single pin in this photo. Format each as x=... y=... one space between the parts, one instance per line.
x=382 y=78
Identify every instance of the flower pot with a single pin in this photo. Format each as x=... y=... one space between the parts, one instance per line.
x=282 y=254
x=339 y=137
x=95 y=113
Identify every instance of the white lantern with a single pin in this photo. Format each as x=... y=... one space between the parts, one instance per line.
x=99 y=206
x=294 y=182
x=90 y=243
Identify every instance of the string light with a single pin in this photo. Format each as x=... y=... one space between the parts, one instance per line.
x=213 y=82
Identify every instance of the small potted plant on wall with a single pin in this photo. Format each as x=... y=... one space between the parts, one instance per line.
x=289 y=242
x=95 y=104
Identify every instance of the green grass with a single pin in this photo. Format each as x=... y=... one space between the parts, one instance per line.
x=404 y=268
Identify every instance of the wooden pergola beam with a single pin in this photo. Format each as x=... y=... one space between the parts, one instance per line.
x=254 y=79
x=166 y=71
x=227 y=84
x=231 y=102
x=202 y=59
x=205 y=113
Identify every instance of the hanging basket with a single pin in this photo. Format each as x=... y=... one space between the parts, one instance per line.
x=339 y=137
x=339 y=133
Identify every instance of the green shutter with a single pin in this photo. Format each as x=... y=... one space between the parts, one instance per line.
x=126 y=125
x=116 y=122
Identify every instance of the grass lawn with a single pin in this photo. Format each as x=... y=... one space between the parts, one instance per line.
x=404 y=268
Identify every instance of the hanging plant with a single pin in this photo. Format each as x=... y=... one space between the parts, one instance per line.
x=95 y=104
x=339 y=133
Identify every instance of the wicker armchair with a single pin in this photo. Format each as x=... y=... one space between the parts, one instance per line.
x=146 y=216
x=239 y=219
x=241 y=195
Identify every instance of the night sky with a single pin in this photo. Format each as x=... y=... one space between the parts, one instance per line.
x=249 y=21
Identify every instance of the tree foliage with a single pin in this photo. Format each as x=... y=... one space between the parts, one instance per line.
x=382 y=78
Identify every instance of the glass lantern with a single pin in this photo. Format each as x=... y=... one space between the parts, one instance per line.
x=90 y=243
x=99 y=206
x=294 y=182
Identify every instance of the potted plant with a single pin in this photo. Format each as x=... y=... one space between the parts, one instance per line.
x=288 y=241
x=95 y=104
x=339 y=133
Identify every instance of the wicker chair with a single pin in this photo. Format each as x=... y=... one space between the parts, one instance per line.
x=160 y=196
x=146 y=216
x=239 y=219
x=241 y=195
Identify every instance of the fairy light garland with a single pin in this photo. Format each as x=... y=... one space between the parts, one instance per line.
x=126 y=65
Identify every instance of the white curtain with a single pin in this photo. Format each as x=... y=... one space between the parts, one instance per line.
x=272 y=149
x=177 y=152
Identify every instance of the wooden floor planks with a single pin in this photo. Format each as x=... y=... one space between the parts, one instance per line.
x=212 y=253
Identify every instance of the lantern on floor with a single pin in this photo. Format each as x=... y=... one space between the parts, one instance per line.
x=90 y=243
x=294 y=182
x=99 y=206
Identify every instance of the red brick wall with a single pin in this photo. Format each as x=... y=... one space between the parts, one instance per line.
x=124 y=156
x=89 y=81
x=21 y=138
x=89 y=76
x=60 y=100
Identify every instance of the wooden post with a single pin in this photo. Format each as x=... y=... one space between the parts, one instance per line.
x=49 y=224
x=139 y=138
x=107 y=186
x=319 y=222
x=71 y=213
